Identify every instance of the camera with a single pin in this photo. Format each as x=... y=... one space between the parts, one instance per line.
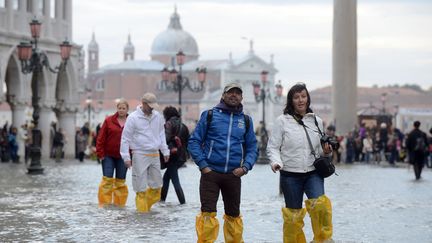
x=330 y=140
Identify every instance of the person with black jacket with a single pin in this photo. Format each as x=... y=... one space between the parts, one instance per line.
x=417 y=145
x=177 y=137
x=58 y=143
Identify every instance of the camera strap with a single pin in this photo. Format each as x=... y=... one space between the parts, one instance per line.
x=319 y=130
x=310 y=143
x=299 y=121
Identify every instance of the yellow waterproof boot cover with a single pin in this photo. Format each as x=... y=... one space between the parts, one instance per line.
x=293 y=225
x=233 y=229
x=120 y=192
x=207 y=227
x=153 y=196
x=141 y=202
x=320 y=211
x=105 y=191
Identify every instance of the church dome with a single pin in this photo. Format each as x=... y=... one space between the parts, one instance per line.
x=170 y=41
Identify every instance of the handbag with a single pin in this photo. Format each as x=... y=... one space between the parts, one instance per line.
x=323 y=165
x=163 y=164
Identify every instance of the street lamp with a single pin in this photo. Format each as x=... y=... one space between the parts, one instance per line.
x=383 y=100
x=33 y=61
x=90 y=109
x=174 y=81
x=263 y=93
x=396 y=110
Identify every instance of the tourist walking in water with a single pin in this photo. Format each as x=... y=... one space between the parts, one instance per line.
x=112 y=189
x=224 y=147
x=294 y=133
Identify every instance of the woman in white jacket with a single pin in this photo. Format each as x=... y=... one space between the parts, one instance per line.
x=290 y=153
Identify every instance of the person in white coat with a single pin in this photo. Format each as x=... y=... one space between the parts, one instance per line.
x=143 y=136
x=290 y=154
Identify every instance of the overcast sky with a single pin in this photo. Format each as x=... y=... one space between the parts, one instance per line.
x=394 y=37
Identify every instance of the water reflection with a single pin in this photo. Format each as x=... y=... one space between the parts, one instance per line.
x=370 y=204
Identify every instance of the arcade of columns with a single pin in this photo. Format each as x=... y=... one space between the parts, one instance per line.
x=58 y=92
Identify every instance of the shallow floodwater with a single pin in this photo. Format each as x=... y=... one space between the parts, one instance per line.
x=371 y=203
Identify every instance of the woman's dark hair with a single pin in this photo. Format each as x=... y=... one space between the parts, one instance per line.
x=169 y=112
x=297 y=88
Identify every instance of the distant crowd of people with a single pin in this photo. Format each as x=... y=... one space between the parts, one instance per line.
x=376 y=144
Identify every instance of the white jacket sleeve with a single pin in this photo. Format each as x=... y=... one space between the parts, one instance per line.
x=275 y=143
x=163 y=146
x=126 y=139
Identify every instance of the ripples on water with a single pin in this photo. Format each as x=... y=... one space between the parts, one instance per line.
x=370 y=204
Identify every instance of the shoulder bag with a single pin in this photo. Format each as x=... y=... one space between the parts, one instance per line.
x=323 y=164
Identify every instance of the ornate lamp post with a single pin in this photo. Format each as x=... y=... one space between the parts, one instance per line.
x=33 y=61
x=263 y=93
x=174 y=81
x=383 y=100
x=91 y=109
x=396 y=110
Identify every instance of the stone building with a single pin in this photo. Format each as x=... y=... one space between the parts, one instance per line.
x=131 y=77
x=57 y=91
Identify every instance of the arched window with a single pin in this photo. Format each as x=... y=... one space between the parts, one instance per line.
x=100 y=85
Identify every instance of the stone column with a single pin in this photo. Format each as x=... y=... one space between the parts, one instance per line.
x=59 y=9
x=67 y=123
x=9 y=15
x=19 y=119
x=59 y=19
x=22 y=5
x=344 y=87
x=47 y=18
x=68 y=15
x=22 y=22
x=45 y=119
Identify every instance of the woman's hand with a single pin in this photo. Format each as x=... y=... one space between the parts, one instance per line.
x=327 y=148
x=275 y=167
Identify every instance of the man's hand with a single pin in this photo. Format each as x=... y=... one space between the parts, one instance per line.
x=128 y=163
x=205 y=170
x=275 y=167
x=239 y=172
x=166 y=158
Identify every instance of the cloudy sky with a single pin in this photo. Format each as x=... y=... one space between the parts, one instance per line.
x=394 y=37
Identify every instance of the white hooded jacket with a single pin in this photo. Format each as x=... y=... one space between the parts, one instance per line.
x=288 y=145
x=143 y=134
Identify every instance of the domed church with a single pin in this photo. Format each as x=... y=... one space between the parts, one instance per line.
x=131 y=78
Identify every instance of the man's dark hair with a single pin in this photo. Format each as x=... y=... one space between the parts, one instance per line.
x=169 y=112
x=297 y=88
x=417 y=124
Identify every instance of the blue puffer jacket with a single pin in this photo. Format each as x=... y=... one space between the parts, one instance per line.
x=221 y=147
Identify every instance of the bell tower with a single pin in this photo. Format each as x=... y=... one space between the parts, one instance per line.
x=93 y=55
x=129 y=50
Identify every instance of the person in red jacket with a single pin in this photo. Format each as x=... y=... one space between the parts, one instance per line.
x=112 y=190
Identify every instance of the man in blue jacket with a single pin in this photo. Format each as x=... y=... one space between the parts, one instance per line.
x=224 y=147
